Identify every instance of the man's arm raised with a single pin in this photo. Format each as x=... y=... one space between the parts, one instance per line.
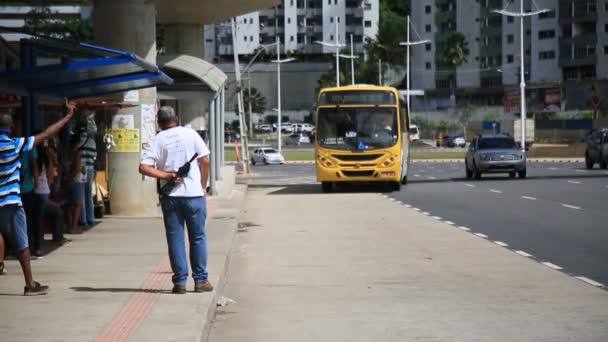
x=57 y=126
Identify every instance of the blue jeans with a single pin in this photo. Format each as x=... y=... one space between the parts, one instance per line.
x=14 y=225
x=87 y=214
x=193 y=212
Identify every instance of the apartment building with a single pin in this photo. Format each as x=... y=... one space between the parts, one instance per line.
x=569 y=43
x=297 y=24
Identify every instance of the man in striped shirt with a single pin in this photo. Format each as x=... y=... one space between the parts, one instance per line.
x=12 y=216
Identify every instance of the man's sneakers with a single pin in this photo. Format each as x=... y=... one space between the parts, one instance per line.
x=36 y=290
x=179 y=289
x=204 y=286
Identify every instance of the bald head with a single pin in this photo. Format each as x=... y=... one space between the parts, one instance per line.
x=6 y=120
x=166 y=117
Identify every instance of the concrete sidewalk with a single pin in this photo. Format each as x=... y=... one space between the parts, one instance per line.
x=114 y=284
x=356 y=266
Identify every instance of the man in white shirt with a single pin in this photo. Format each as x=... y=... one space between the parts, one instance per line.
x=173 y=147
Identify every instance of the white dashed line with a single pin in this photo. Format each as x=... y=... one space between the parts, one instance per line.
x=417 y=209
x=470 y=185
x=481 y=235
x=426 y=213
x=436 y=217
x=552 y=168
x=571 y=206
x=550 y=265
x=416 y=175
x=391 y=199
x=450 y=223
x=590 y=281
x=464 y=228
x=407 y=205
x=529 y=198
x=574 y=182
x=522 y=253
x=500 y=243
x=496 y=191
x=432 y=178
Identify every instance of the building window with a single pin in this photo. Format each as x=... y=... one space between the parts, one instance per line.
x=510 y=58
x=606 y=28
x=427 y=9
x=605 y=49
x=510 y=20
x=428 y=65
x=546 y=55
x=368 y=23
x=428 y=46
x=331 y=19
x=245 y=38
x=291 y=2
x=331 y=37
x=335 y=2
x=367 y=6
x=547 y=15
x=329 y=2
x=289 y=20
x=606 y=7
x=291 y=39
x=510 y=39
x=547 y=34
x=338 y=18
x=427 y=28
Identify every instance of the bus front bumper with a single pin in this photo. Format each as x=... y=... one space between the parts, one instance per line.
x=325 y=174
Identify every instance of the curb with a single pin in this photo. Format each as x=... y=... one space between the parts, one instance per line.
x=240 y=191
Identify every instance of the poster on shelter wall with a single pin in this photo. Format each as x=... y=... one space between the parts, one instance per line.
x=126 y=139
x=148 y=125
x=123 y=121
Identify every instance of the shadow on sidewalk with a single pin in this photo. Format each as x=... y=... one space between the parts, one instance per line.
x=116 y=290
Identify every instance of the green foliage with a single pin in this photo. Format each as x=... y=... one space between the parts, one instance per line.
x=546 y=116
x=457 y=49
x=39 y=20
x=258 y=101
x=466 y=114
x=272 y=119
x=490 y=117
x=425 y=123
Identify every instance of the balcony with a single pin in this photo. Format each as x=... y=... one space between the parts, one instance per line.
x=356 y=30
x=442 y=17
x=567 y=61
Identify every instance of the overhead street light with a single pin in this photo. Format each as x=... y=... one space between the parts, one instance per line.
x=352 y=58
x=522 y=84
x=337 y=45
x=279 y=61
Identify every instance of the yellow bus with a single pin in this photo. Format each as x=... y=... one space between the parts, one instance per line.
x=362 y=135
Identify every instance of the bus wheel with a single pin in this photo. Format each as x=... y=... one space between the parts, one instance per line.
x=404 y=180
x=327 y=187
x=396 y=186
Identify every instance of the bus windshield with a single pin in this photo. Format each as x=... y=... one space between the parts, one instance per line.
x=357 y=128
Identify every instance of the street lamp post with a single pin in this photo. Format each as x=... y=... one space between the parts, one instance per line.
x=242 y=124
x=409 y=43
x=279 y=61
x=337 y=45
x=522 y=83
x=352 y=58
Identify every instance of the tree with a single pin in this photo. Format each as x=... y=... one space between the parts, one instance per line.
x=455 y=54
x=41 y=20
x=258 y=101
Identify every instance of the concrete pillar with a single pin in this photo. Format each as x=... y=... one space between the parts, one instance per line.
x=212 y=141
x=219 y=130
x=188 y=39
x=129 y=25
x=222 y=120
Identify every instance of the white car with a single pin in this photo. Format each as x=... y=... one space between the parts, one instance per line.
x=459 y=142
x=305 y=127
x=265 y=128
x=297 y=139
x=266 y=155
x=414 y=133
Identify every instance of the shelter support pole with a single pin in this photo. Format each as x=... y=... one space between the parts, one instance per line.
x=218 y=136
x=212 y=148
x=222 y=124
x=129 y=26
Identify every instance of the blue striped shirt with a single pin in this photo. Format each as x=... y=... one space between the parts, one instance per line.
x=10 y=151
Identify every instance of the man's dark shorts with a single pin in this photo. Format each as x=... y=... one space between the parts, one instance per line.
x=13 y=226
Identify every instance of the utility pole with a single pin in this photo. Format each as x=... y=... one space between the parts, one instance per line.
x=522 y=53
x=279 y=61
x=409 y=43
x=242 y=123
x=352 y=58
x=337 y=45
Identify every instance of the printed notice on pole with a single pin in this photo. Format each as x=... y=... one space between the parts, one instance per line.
x=126 y=139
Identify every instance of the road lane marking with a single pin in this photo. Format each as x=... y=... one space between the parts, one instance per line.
x=432 y=178
x=481 y=235
x=529 y=198
x=571 y=206
x=417 y=209
x=522 y=253
x=450 y=223
x=590 y=281
x=391 y=199
x=436 y=217
x=574 y=182
x=552 y=168
x=469 y=185
x=496 y=191
x=500 y=243
x=464 y=228
x=426 y=213
x=407 y=205
x=416 y=175
x=399 y=202
x=550 y=265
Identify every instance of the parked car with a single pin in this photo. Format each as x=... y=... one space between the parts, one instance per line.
x=266 y=155
x=297 y=139
x=457 y=141
x=496 y=153
x=265 y=128
x=597 y=149
x=414 y=133
x=303 y=127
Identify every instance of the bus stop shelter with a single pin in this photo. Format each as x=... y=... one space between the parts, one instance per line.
x=195 y=78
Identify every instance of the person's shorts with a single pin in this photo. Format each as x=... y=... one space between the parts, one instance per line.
x=13 y=226
x=76 y=192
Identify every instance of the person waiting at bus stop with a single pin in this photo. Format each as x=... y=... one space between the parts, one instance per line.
x=172 y=148
x=12 y=216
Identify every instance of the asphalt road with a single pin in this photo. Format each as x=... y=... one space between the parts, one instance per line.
x=559 y=214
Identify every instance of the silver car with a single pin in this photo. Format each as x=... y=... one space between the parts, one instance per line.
x=495 y=154
x=597 y=149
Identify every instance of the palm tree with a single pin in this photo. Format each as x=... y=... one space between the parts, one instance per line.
x=258 y=103
x=455 y=54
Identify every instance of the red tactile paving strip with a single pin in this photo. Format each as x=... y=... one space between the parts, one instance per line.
x=122 y=327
